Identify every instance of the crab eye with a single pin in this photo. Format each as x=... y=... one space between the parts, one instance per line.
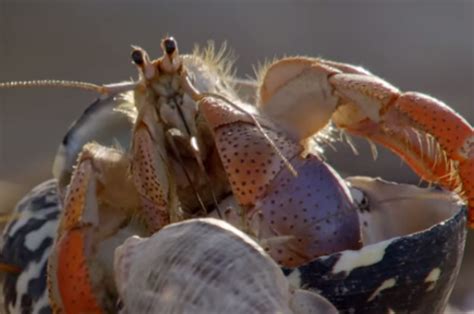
x=365 y=204
x=137 y=57
x=170 y=45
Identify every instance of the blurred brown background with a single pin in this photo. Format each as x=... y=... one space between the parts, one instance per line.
x=425 y=46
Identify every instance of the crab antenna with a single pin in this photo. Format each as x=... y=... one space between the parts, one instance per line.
x=104 y=90
x=55 y=83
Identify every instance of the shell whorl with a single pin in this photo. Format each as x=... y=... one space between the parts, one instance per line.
x=199 y=266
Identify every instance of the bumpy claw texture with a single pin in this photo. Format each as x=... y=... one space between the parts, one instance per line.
x=151 y=179
x=295 y=218
x=430 y=136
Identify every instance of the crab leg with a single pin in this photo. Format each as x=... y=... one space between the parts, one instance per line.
x=150 y=172
x=431 y=137
x=76 y=280
x=68 y=272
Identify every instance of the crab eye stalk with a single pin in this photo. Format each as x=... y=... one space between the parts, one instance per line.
x=170 y=62
x=141 y=59
x=137 y=57
x=169 y=45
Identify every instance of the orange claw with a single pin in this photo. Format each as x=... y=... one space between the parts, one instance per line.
x=430 y=136
x=453 y=133
x=466 y=170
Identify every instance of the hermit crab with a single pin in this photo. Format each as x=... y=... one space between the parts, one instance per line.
x=197 y=149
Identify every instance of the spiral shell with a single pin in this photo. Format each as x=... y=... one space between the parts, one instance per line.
x=205 y=266
x=199 y=266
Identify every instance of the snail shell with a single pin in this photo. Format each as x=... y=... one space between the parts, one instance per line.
x=205 y=266
x=413 y=247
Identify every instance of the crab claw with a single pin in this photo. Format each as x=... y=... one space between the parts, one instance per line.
x=296 y=218
x=431 y=137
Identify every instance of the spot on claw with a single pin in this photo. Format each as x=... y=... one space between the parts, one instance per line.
x=467 y=149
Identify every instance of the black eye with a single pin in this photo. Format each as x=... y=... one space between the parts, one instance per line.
x=169 y=45
x=137 y=57
x=365 y=204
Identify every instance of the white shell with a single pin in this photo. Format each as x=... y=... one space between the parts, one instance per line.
x=395 y=209
x=206 y=266
x=199 y=266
